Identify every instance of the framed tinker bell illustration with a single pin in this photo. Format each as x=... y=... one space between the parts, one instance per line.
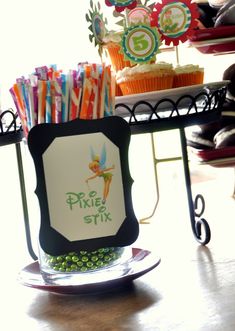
x=83 y=184
x=98 y=167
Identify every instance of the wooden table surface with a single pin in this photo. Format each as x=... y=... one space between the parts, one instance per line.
x=192 y=289
x=126 y=308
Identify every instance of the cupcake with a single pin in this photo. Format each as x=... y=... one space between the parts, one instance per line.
x=118 y=91
x=111 y=44
x=188 y=74
x=145 y=78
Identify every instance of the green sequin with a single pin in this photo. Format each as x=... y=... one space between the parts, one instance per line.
x=83 y=261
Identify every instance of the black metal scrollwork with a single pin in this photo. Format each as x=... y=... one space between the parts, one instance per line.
x=169 y=114
x=10 y=127
x=148 y=117
x=199 y=222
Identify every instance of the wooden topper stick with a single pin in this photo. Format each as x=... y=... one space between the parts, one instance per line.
x=177 y=55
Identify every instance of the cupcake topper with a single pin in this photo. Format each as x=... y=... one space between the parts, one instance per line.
x=97 y=25
x=120 y=5
x=140 y=14
x=140 y=43
x=175 y=20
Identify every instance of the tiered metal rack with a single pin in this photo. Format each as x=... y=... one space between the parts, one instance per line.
x=143 y=117
x=167 y=114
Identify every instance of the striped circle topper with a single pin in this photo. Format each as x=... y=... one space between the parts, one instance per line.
x=175 y=20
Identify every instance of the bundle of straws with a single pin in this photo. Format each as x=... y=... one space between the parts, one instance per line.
x=51 y=96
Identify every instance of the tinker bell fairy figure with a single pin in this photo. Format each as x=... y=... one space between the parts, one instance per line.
x=99 y=168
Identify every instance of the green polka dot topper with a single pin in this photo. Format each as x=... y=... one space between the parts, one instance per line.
x=140 y=43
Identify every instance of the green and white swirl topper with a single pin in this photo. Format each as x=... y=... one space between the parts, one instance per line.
x=140 y=43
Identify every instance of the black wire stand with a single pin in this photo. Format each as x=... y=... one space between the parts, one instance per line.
x=167 y=114
x=11 y=133
x=143 y=117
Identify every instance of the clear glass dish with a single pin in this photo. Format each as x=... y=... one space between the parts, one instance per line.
x=72 y=267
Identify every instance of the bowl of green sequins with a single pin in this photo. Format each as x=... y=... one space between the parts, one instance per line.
x=132 y=264
x=70 y=268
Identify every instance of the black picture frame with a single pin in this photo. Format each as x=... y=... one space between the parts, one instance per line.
x=40 y=138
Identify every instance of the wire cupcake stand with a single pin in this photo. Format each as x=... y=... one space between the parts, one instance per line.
x=166 y=113
x=143 y=117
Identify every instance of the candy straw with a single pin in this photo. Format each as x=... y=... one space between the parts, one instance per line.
x=20 y=84
x=87 y=90
x=33 y=82
x=102 y=93
x=35 y=101
x=24 y=92
x=75 y=99
x=58 y=101
x=22 y=113
x=48 y=103
x=113 y=91
x=15 y=100
x=31 y=104
x=95 y=76
x=85 y=98
x=100 y=82
x=89 y=76
x=52 y=101
x=91 y=105
x=107 y=92
x=71 y=83
x=65 y=97
x=42 y=72
x=53 y=97
x=42 y=91
x=50 y=71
